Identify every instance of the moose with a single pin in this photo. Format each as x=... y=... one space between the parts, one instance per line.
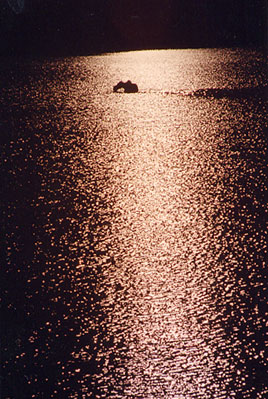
x=128 y=87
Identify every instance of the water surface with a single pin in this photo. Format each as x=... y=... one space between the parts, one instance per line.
x=135 y=226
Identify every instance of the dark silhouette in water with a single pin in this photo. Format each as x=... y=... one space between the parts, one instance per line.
x=260 y=91
x=128 y=87
x=245 y=92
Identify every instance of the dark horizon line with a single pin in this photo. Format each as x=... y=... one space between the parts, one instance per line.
x=53 y=53
x=87 y=27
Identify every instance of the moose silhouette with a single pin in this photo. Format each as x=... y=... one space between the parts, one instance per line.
x=128 y=87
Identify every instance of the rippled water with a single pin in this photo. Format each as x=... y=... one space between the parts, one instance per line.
x=135 y=226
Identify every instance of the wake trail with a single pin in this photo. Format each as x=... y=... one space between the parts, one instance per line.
x=243 y=92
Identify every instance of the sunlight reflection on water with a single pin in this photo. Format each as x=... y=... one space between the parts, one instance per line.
x=146 y=253
x=165 y=254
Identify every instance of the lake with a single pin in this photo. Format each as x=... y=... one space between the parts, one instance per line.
x=134 y=226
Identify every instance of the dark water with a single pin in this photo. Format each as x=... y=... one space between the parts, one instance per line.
x=134 y=226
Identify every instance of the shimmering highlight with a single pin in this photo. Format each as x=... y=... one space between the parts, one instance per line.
x=136 y=227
